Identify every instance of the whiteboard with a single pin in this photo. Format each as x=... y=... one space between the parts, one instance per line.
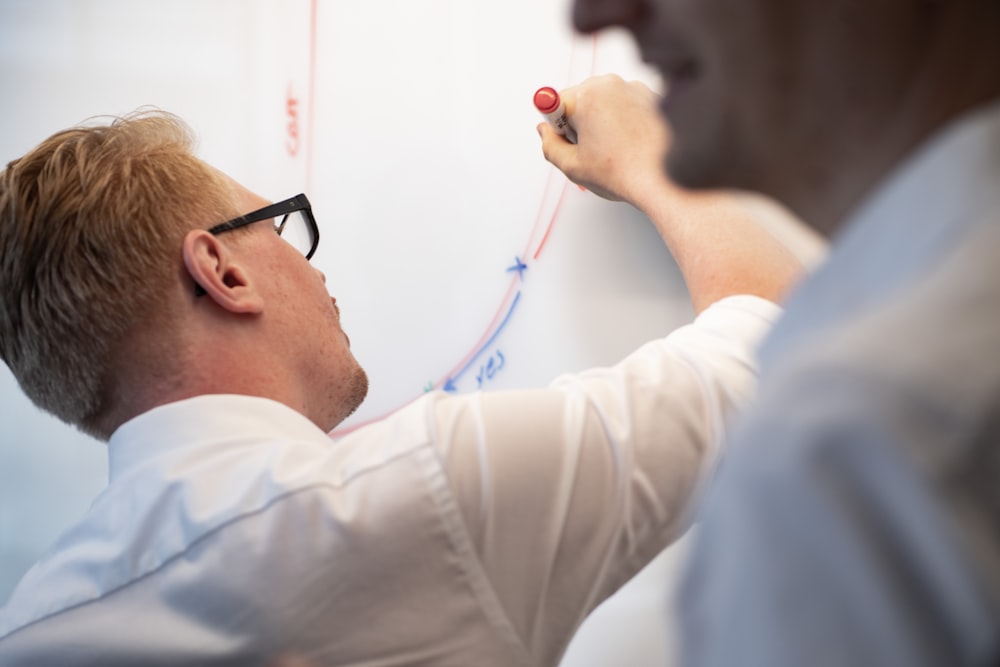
x=459 y=258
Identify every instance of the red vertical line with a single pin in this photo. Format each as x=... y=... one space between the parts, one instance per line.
x=562 y=195
x=572 y=57
x=552 y=221
x=310 y=131
x=541 y=211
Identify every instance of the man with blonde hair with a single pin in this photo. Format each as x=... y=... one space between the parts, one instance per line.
x=154 y=302
x=95 y=217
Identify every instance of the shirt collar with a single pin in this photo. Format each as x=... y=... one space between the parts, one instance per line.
x=913 y=217
x=204 y=420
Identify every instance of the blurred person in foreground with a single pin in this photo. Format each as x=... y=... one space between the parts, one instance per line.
x=857 y=520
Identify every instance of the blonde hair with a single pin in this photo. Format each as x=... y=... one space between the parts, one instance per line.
x=91 y=226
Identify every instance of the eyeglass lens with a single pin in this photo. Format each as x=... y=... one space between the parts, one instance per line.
x=295 y=229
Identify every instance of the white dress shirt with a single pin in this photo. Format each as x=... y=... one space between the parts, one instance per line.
x=462 y=530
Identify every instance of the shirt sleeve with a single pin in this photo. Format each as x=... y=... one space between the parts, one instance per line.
x=567 y=491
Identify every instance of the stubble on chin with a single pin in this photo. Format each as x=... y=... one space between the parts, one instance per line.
x=357 y=390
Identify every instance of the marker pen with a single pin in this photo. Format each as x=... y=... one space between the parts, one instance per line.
x=547 y=101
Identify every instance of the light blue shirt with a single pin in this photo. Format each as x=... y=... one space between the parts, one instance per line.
x=857 y=520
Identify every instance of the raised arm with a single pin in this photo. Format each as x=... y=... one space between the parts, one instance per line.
x=720 y=248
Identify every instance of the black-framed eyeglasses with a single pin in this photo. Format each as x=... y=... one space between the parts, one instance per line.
x=293 y=222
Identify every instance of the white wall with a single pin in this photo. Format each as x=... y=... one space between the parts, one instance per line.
x=410 y=126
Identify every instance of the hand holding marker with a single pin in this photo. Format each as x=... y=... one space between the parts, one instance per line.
x=547 y=101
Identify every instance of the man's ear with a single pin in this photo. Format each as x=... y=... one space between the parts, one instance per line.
x=219 y=273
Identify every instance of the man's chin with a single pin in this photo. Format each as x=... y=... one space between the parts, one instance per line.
x=357 y=391
x=350 y=397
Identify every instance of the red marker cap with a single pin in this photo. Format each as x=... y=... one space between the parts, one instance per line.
x=546 y=99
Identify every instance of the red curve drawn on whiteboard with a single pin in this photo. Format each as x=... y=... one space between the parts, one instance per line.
x=509 y=299
x=310 y=141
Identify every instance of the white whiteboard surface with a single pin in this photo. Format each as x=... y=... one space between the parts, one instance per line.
x=457 y=255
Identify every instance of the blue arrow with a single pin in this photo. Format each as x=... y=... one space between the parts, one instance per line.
x=449 y=384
